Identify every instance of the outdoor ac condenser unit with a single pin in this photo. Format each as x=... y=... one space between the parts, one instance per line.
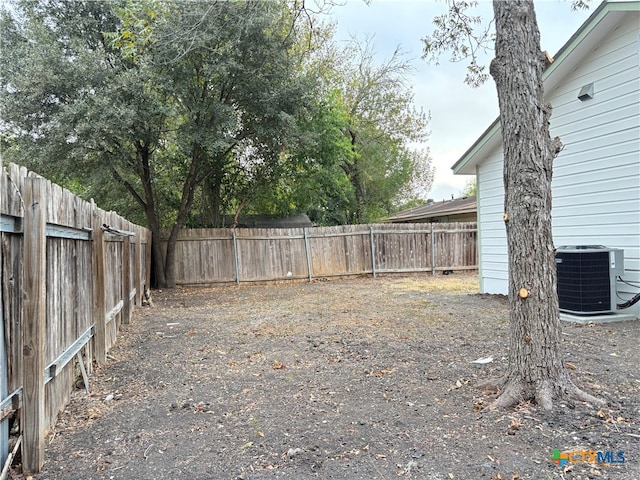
x=587 y=278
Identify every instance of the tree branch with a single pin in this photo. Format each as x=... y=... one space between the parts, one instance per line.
x=129 y=188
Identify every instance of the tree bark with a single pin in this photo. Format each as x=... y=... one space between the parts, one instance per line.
x=353 y=172
x=211 y=208
x=146 y=178
x=536 y=370
x=147 y=202
x=157 y=257
x=186 y=201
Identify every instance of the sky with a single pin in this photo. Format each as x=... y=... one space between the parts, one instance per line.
x=459 y=113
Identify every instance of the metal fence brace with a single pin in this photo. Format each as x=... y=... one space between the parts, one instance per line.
x=65 y=357
x=114 y=231
x=11 y=224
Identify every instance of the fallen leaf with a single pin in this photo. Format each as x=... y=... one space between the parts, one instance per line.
x=382 y=373
x=456 y=386
x=278 y=366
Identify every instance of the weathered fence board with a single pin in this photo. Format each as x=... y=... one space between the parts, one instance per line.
x=91 y=283
x=205 y=256
x=34 y=308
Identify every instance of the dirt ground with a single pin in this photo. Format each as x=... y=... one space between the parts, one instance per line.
x=343 y=379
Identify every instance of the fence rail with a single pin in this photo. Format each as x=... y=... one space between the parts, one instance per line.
x=68 y=283
x=206 y=256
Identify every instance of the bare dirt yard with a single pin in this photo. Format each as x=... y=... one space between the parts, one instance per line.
x=343 y=379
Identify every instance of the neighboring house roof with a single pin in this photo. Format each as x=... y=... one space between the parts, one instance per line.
x=436 y=209
x=586 y=38
x=299 y=220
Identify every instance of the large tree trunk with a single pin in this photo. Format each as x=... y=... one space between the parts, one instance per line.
x=186 y=201
x=353 y=171
x=147 y=202
x=210 y=210
x=158 y=259
x=536 y=370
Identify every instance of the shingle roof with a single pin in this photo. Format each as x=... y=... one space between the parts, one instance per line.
x=436 y=209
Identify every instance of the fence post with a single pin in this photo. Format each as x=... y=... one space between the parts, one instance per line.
x=308 y=252
x=433 y=251
x=137 y=270
x=373 y=252
x=147 y=260
x=33 y=329
x=99 y=308
x=4 y=376
x=235 y=257
x=126 y=280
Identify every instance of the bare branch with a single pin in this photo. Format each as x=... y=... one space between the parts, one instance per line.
x=461 y=34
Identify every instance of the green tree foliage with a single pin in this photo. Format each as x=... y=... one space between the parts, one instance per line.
x=93 y=113
x=356 y=164
x=383 y=123
x=157 y=99
x=470 y=188
x=315 y=182
x=197 y=110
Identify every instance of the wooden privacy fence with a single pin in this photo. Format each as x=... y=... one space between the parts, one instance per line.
x=205 y=256
x=68 y=282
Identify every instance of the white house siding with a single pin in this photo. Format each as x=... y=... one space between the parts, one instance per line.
x=492 y=252
x=596 y=185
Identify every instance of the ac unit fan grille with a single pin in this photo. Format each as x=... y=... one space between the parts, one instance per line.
x=583 y=282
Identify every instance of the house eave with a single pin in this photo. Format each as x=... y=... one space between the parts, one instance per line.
x=488 y=140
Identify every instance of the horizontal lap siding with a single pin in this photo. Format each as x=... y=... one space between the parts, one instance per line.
x=492 y=257
x=596 y=183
